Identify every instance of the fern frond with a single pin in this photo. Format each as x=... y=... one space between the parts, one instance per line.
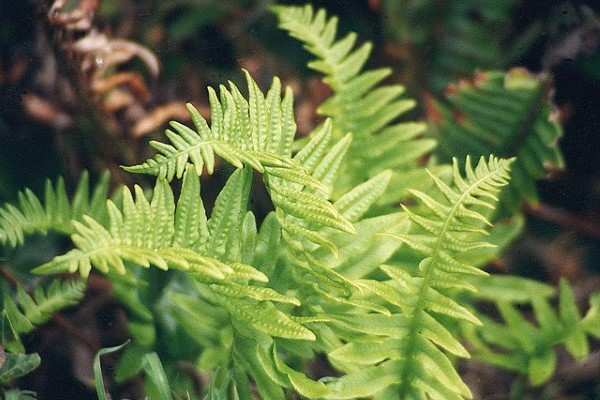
x=507 y=114
x=55 y=213
x=257 y=132
x=357 y=105
x=407 y=350
x=529 y=348
x=25 y=312
x=143 y=232
x=447 y=226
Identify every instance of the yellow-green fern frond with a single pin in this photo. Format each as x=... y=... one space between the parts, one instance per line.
x=147 y=232
x=257 y=132
x=407 y=351
x=55 y=212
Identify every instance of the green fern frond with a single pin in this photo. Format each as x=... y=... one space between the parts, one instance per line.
x=55 y=213
x=23 y=313
x=507 y=114
x=257 y=132
x=529 y=348
x=357 y=105
x=407 y=350
x=143 y=231
x=447 y=227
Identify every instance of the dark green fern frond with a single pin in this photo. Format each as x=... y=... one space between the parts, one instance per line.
x=358 y=105
x=55 y=212
x=506 y=114
x=527 y=347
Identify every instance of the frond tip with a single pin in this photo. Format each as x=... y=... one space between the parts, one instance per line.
x=457 y=215
x=257 y=132
x=360 y=103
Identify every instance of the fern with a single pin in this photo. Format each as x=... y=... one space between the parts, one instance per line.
x=405 y=352
x=153 y=231
x=56 y=213
x=258 y=133
x=255 y=132
x=28 y=312
x=358 y=105
x=383 y=296
x=504 y=114
x=528 y=348
x=254 y=311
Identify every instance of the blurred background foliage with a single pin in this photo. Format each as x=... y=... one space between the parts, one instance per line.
x=54 y=121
